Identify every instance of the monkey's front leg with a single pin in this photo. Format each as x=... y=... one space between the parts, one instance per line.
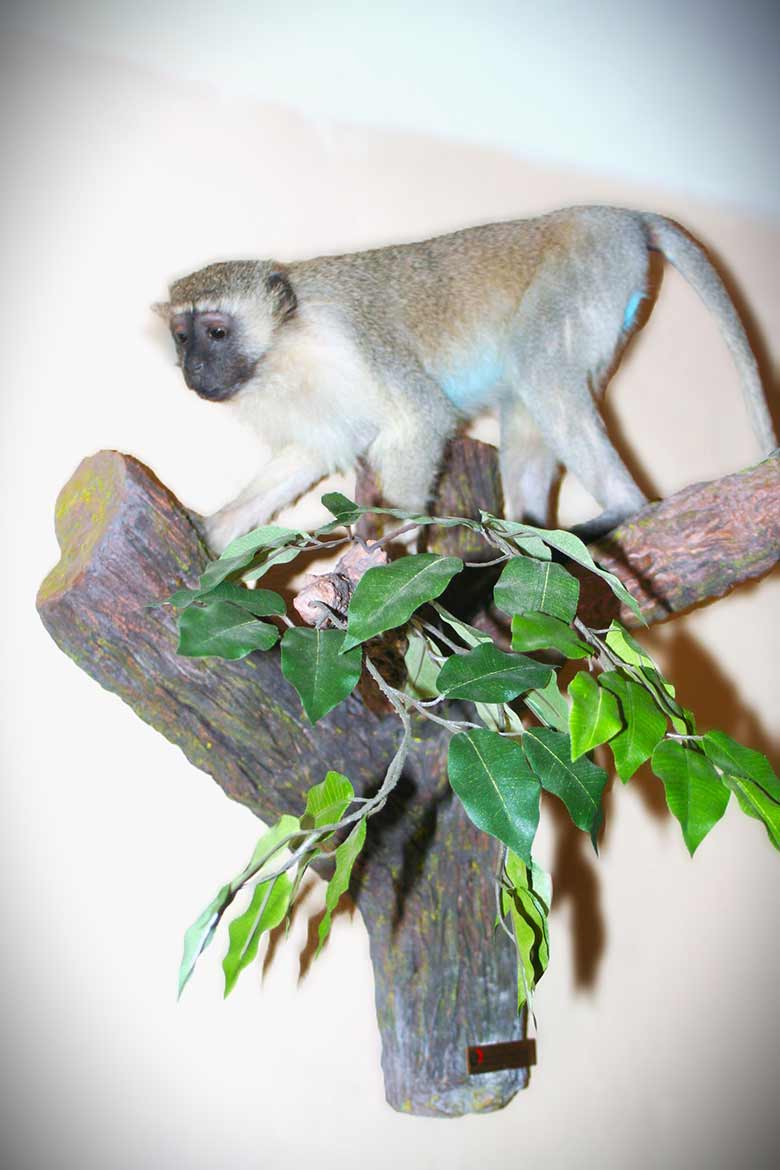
x=406 y=459
x=284 y=478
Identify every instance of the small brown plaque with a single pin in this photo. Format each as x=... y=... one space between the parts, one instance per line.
x=482 y=1058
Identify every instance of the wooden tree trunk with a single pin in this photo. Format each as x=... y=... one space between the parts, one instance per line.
x=444 y=978
x=425 y=889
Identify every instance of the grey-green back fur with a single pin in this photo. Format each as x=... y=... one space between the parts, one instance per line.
x=381 y=353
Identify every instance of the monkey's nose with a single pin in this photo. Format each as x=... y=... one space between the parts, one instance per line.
x=193 y=375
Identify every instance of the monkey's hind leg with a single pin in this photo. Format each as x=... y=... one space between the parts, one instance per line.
x=573 y=320
x=573 y=428
x=529 y=468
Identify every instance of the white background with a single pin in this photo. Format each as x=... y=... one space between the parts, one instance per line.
x=140 y=143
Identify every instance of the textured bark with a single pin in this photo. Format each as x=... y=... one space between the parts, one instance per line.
x=425 y=888
x=444 y=980
x=692 y=547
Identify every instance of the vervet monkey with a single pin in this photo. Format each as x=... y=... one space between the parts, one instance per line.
x=383 y=353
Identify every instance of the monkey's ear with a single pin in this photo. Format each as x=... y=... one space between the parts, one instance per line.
x=162 y=309
x=283 y=293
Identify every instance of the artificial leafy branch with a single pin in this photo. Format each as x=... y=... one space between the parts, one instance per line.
x=525 y=734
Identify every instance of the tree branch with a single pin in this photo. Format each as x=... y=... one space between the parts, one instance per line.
x=444 y=978
x=693 y=547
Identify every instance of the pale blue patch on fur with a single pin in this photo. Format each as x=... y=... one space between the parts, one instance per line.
x=629 y=317
x=468 y=385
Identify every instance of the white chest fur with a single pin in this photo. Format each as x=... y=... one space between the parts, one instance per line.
x=313 y=389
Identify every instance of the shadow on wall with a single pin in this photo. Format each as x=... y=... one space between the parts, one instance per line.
x=714 y=697
x=716 y=702
x=758 y=343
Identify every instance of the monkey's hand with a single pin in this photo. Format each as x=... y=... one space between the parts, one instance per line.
x=283 y=479
x=227 y=524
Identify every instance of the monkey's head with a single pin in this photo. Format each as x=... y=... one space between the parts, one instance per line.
x=223 y=320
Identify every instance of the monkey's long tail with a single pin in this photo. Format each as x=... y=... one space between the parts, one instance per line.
x=690 y=259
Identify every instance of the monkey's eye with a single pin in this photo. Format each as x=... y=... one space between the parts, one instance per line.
x=180 y=336
x=217 y=333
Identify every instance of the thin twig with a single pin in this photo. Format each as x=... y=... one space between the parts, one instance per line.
x=487 y=564
x=391 y=536
x=313 y=542
x=437 y=633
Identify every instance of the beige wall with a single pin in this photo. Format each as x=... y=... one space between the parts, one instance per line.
x=657 y=1033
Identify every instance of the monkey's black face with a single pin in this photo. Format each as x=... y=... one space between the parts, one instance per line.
x=210 y=354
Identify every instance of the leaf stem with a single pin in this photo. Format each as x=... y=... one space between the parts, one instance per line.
x=391 y=536
x=488 y=564
x=437 y=633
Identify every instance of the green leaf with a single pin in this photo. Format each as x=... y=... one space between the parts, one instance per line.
x=540 y=884
x=222 y=629
x=731 y=757
x=327 y=801
x=260 y=602
x=750 y=776
x=345 y=856
x=268 y=536
x=572 y=547
x=528 y=903
x=387 y=595
x=469 y=635
x=544 y=587
x=266 y=910
x=594 y=716
x=488 y=675
x=626 y=648
x=496 y=787
x=754 y=801
x=200 y=934
x=421 y=670
x=345 y=510
x=312 y=661
x=694 y=792
x=645 y=726
x=300 y=873
x=277 y=556
x=533 y=546
x=549 y=705
x=267 y=844
x=578 y=783
x=499 y=717
x=240 y=553
x=684 y=722
x=180 y=599
x=539 y=631
x=267 y=854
